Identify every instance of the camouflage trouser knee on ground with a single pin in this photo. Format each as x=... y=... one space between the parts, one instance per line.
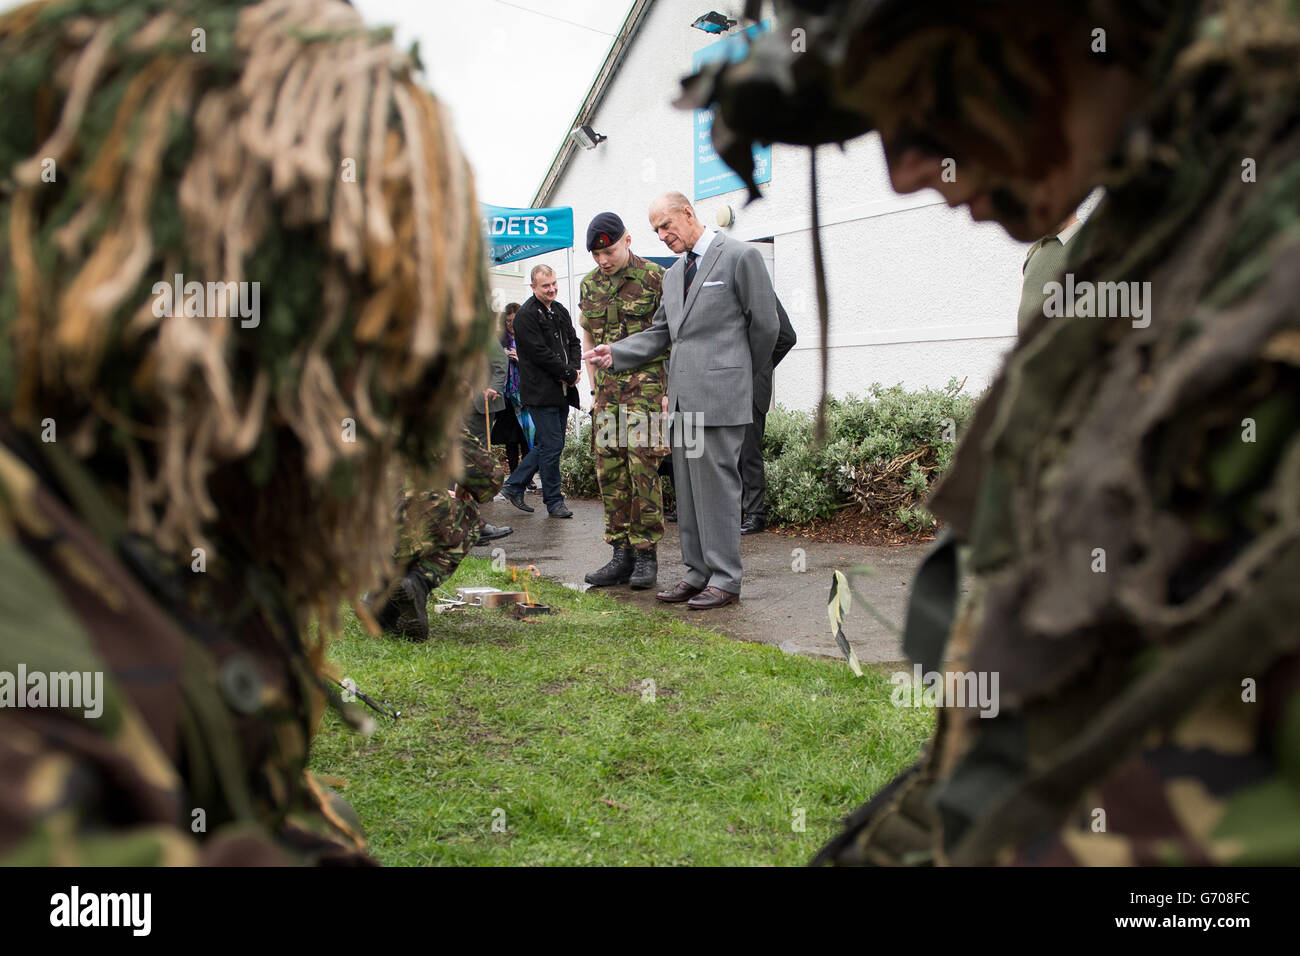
x=435 y=532
x=628 y=472
x=436 y=529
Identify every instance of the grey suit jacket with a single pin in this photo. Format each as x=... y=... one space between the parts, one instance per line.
x=720 y=336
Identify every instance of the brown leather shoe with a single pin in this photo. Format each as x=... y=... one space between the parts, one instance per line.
x=680 y=594
x=710 y=598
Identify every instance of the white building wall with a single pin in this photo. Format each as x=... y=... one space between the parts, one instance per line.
x=508 y=283
x=918 y=293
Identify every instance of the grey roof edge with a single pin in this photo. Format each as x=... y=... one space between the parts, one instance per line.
x=599 y=87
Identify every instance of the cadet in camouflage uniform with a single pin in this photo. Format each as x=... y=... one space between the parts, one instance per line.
x=435 y=531
x=1127 y=497
x=619 y=298
x=185 y=485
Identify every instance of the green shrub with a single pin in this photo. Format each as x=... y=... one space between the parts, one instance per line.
x=797 y=490
x=916 y=519
x=669 y=494
x=785 y=428
x=883 y=453
x=578 y=461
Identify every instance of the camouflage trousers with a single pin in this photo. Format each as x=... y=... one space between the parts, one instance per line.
x=436 y=529
x=435 y=532
x=627 y=468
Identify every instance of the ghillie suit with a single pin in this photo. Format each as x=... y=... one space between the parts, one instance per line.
x=241 y=279
x=1127 y=497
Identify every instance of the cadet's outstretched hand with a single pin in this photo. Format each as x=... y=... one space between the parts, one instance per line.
x=600 y=356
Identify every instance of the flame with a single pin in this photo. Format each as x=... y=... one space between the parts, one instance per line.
x=527 y=599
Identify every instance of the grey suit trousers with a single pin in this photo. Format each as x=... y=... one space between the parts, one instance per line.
x=708 y=505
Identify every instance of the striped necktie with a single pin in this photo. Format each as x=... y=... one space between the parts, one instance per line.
x=690 y=274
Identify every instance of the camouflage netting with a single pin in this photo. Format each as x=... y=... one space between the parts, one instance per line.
x=281 y=143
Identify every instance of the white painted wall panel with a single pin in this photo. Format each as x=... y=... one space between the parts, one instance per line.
x=919 y=293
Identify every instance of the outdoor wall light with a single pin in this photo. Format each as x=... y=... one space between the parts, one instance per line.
x=586 y=137
x=713 y=22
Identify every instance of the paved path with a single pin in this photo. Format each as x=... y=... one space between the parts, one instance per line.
x=777 y=606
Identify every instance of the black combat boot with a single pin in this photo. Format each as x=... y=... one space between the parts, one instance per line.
x=406 y=611
x=617 y=571
x=646 y=572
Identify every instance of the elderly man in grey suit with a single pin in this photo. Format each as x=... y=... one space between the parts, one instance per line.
x=719 y=316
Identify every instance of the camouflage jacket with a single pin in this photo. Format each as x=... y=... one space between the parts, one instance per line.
x=1129 y=492
x=614 y=307
x=433 y=522
x=195 y=747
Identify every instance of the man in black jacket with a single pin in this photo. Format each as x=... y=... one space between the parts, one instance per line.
x=548 y=352
x=754 y=480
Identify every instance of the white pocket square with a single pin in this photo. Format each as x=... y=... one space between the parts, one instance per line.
x=715 y=282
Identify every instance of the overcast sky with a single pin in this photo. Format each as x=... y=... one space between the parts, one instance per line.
x=514 y=77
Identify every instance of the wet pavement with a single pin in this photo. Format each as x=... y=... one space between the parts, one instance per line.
x=778 y=604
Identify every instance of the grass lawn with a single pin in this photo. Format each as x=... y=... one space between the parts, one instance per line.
x=553 y=731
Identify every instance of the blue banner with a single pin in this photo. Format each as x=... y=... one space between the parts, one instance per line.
x=523 y=233
x=713 y=177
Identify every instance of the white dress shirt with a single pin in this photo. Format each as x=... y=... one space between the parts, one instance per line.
x=702 y=244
